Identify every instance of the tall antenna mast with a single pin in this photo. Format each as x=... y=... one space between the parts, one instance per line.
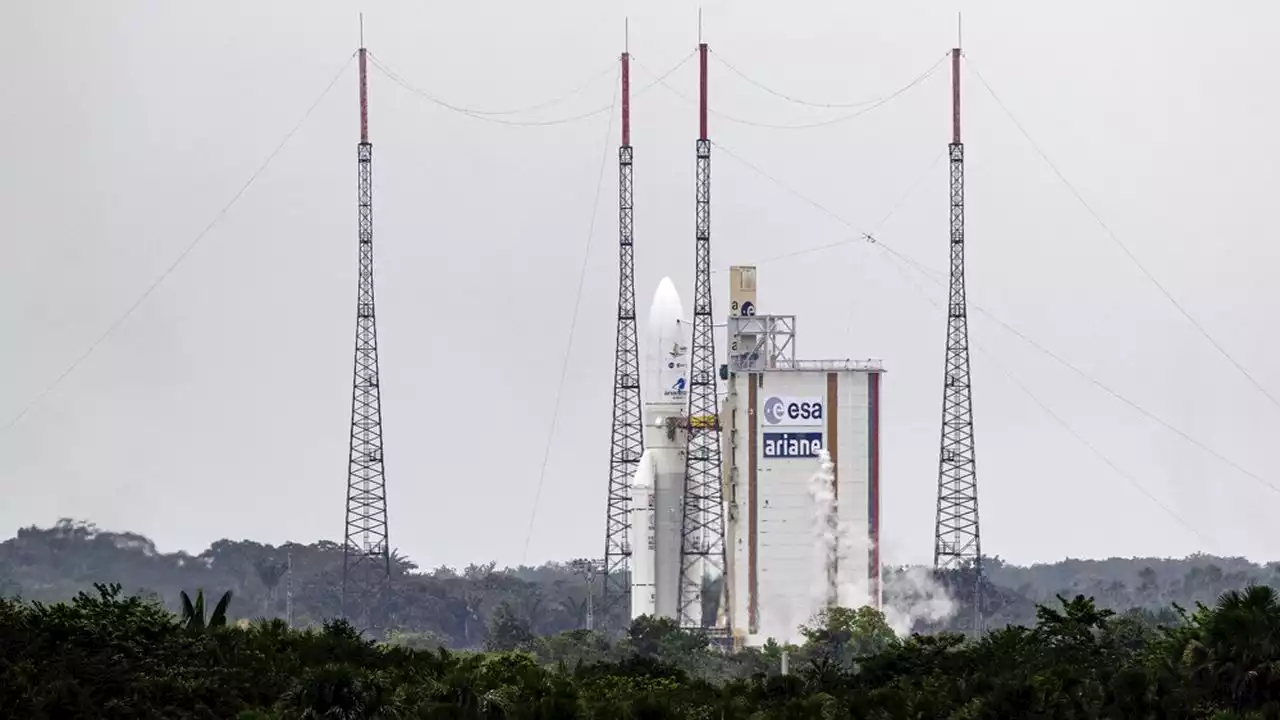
x=366 y=559
x=627 y=440
x=702 y=550
x=957 y=543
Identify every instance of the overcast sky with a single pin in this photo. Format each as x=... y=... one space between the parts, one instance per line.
x=221 y=407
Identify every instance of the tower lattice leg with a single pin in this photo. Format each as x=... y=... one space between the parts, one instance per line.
x=957 y=541
x=366 y=556
x=627 y=441
x=702 y=547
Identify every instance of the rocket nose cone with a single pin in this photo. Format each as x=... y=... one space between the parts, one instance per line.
x=666 y=350
x=666 y=311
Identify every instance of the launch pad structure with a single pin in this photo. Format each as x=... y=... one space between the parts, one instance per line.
x=801 y=477
x=779 y=512
x=742 y=516
x=801 y=442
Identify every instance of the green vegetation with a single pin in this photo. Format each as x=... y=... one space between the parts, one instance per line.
x=485 y=643
x=455 y=608
x=104 y=655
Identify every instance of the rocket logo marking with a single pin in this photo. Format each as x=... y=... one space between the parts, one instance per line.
x=677 y=351
x=792 y=445
x=793 y=411
x=774 y=410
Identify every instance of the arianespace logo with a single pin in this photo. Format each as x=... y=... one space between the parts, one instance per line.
x=793 y=410
x=792 y=444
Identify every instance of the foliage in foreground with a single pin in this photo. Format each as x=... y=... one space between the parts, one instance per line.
x=104 y=655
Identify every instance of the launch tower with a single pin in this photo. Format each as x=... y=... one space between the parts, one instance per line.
x=702 y=550
x=366 y=559
x=957 y=546
x=627 y=442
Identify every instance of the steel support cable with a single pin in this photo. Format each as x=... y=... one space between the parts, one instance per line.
x=611 y=68
x=791 y=98
x=901 y=259
x=932 y=275
x=404 y=83
x=1116 y=239
x=573 y=325
x=900 y=266
x=868 y=235
x=120 y=320
x=805 y=126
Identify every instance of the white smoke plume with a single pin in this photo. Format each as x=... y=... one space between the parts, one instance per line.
x=782 y=621
x=784 y=616
x=909 y=597
x=825 y=534
x=912 y=596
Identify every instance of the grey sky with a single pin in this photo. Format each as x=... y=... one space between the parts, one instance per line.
x=221 y=407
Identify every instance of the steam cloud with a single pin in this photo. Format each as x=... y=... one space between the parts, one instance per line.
x=910 y=597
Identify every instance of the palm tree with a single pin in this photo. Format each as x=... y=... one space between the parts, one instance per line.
x=576 y=609
x=1238 y=642
x=193 y=613
x=270 y=573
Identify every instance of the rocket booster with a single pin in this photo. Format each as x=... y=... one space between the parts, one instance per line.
x=657 y=501
x=643 y=591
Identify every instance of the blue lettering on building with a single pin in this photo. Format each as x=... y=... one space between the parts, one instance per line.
x=792 y=444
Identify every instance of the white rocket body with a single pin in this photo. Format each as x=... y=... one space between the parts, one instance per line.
x=666 y=395
x=643 y=590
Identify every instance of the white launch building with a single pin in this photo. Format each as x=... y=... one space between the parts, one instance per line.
x=801 y=471
x=801 y=534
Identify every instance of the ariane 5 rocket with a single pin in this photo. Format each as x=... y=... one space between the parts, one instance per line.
x=658 y=486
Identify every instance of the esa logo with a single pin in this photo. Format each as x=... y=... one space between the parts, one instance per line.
x=793 y=410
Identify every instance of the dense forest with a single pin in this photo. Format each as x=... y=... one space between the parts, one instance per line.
x=455 y=607
x=100 y=625
x=105 y=656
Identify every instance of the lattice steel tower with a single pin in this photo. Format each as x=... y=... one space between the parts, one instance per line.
x=702 y=548
x=366 y=560
x=627 y=442
x=957 y=545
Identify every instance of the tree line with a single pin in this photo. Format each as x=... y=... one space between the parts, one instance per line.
x=455 y=607
x=105 y=655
